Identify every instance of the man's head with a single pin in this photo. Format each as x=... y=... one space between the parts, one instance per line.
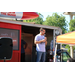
x=42 y=31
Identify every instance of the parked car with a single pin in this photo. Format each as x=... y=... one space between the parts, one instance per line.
x=71 y=60
x=62 y=55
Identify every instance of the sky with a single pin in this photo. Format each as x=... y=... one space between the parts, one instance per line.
x=45 y=14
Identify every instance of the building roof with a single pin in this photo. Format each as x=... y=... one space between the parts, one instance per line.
x=29 y=24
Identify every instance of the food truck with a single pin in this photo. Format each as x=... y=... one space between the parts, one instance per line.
x=18 y=30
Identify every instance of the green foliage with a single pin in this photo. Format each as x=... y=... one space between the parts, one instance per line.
x=72 y=25
x=68 y=47
x=72 y=28
x=38 y=20
x=56 y=20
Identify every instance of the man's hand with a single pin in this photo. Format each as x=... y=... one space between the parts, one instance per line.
x=43 y=40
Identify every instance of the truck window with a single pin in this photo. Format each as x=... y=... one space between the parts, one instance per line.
x=65 y=56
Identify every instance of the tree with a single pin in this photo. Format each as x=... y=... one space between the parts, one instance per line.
x=56 y=20
x=68 y=47
x=38 y=20
x=72 y=25
x=72 y=28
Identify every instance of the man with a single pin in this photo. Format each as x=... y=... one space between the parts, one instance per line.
x=51 y=45
x=23 y=47
x=41 y=41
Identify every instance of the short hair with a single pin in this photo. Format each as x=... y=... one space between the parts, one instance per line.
x=41 y=29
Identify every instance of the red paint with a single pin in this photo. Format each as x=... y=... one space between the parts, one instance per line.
x=8 y=13
x=29 y=15
x=16 y=56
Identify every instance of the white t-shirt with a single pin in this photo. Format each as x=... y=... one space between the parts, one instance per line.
x=40 y=47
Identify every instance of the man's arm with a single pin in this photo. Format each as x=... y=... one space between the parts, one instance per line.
x=25 y=46
x=43 y=40
x=37 y=42
x=46 y=43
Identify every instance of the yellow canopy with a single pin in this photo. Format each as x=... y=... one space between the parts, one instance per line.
x=68 y=38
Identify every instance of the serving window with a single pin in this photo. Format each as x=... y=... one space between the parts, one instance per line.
x=12 y=33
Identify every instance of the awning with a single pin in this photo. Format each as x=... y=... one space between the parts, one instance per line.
x=68 y=38
x=19 y=15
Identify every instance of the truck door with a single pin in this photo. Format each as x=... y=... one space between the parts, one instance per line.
x=65 y=56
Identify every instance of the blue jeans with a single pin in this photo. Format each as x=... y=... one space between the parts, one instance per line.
x=41 y=56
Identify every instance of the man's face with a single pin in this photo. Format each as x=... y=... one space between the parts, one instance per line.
x=43 y=32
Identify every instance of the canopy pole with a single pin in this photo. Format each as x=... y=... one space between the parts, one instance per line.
x=55 y=53
x=71 y=51
x=53 y=39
